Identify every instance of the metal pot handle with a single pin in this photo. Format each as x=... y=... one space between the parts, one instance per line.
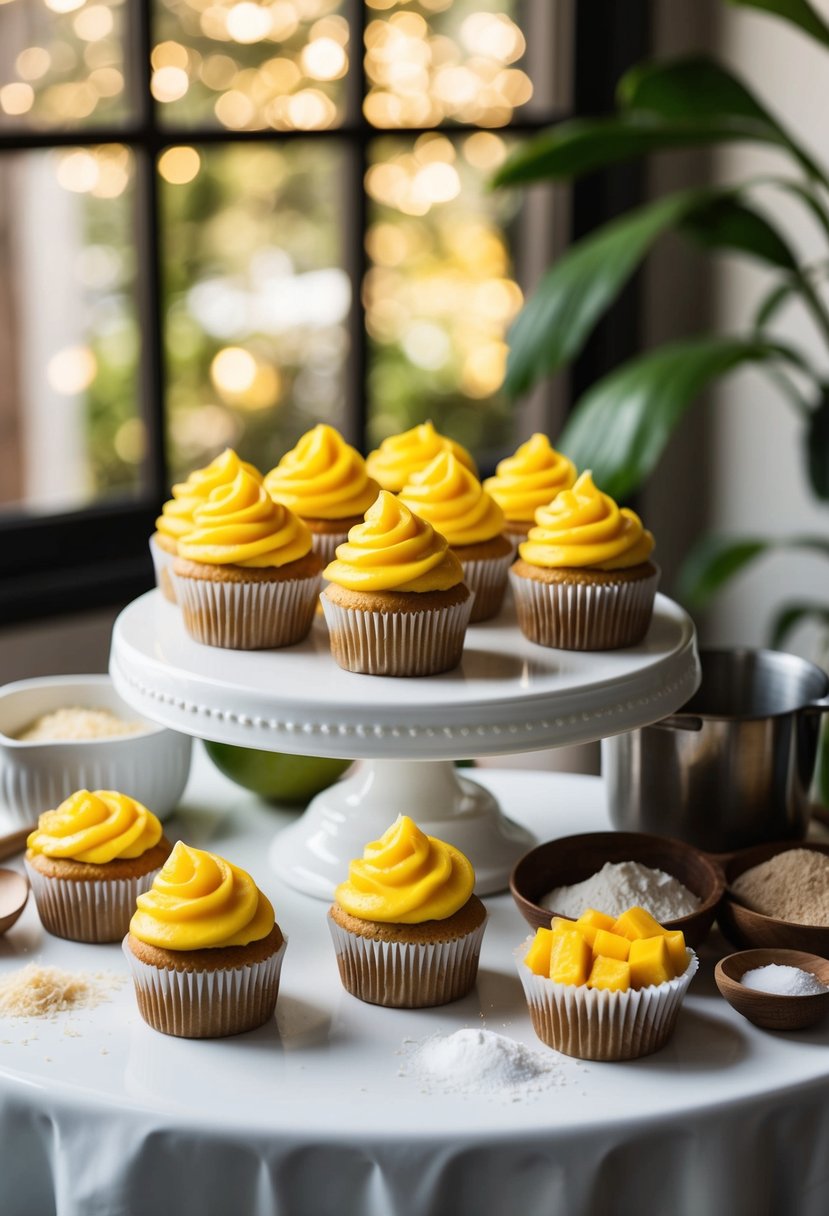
x=684 y=722
x=821 y=706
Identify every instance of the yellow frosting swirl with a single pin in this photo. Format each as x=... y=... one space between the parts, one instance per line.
x=323 y=477
x=96 y=827
x=199 y=901
x=394 y=550
x=176 y=518
x=406 y=878
x=449 y=497
x=392 y=464
x=583 y=527
x=530 y=478
x=241 y=525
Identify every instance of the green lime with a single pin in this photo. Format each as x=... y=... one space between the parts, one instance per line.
x=276 y=776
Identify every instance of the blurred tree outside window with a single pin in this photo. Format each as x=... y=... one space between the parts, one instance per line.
x=289 y=221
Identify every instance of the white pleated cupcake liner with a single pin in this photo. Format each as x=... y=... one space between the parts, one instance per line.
x=584 y=616
x=407 y=975
x=419 y=643
x=206 y=1004
x=596 y=1024
x=96 y=911
x=163 y=567
x=487 y=578
x=325 y=544
x=247 y=616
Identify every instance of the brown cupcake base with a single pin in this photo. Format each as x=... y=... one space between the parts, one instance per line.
x=485 y=569
x=409 y=966
x=584 y=609
x=91 y=903
x=205 y=994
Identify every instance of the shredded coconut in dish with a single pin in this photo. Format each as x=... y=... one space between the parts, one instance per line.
x=480 y=1063
x=39 y=992
x=622 y=885
x=73 y=722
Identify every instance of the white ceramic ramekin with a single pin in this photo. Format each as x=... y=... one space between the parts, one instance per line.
x=151 y=765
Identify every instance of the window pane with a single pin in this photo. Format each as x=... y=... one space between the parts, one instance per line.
x=249 y=66
x=256 y=298
x=72 y=432
x=466 y=61
x=62 y=63
x=441 y=290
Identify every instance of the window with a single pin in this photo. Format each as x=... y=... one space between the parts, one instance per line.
x=225 y=220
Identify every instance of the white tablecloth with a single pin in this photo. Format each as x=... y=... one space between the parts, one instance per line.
x=320 y=1113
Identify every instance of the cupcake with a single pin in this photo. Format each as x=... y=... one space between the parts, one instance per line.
x=392 y=464
x=406 y=927
x=605 y=994
x=396 y=603
x=204 y=949
x=527 y=480
x=176 y=518
x=89 y=860
x=324 y=481
x=583 y=580
x=449 y=497
x=246 y=577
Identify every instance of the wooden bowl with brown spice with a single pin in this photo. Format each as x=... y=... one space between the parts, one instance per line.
x=786 y=888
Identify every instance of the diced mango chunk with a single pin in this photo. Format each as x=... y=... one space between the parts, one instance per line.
x=610 y=973
x=591 y=921
x=570 y=959
x=637 y=923
x=675 y=939
x=537 y=957
x=611 y=945
x=560 y=924
x=649 y=962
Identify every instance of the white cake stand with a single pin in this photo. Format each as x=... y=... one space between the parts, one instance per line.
x=507 y=695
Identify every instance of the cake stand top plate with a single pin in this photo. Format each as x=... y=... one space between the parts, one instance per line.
x=507 y=695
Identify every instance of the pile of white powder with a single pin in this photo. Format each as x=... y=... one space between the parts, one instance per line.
x=622 y=885
x=480 y=1063
x=781 y=980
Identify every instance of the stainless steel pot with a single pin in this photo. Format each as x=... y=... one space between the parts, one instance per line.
x=733 y=767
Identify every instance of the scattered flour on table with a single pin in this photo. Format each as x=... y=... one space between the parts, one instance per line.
x=618 y=886
x=42 y=992
x=481 y=1063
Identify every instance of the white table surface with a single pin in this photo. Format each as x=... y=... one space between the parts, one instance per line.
x=310 y=1114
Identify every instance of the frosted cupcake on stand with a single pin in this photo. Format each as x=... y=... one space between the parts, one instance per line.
x=398 y=457
x=527 y=480
x=324 y=481
x=584 y=579
x=396 y=603
x=176 y=518
x=450 y=497
x=246 y=576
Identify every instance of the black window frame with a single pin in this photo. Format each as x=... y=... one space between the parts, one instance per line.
x=97 y=557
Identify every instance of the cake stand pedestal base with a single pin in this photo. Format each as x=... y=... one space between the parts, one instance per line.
x=312 y=855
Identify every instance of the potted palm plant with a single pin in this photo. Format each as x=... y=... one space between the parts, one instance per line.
x=621 y=425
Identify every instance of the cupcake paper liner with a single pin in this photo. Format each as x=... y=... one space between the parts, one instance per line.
x=595 y=1024
x=95 y=911
x=397 y=643
x=206 y=1004
x=584 y=616
x=325 y=544
x=247 y=616
x=407 y=975
x=487 y=578
x=162 y=565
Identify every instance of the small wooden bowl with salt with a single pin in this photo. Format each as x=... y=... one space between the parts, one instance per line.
x=572 y=859
x=773 y=1010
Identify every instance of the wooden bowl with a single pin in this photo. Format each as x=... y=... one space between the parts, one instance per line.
x=747 y=929
x=14 y=892
x=571 y=859
x=769 y=1009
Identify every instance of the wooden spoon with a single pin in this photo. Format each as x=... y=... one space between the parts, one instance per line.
x=14 y=891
